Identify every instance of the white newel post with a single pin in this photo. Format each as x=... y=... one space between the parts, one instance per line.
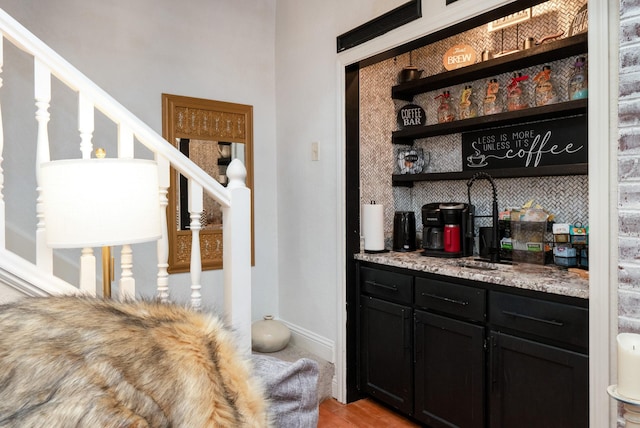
x=42 y=91
x=195 y=211
x=163 y=242
x=236 y=258
x=2 y=209
x=86 y=126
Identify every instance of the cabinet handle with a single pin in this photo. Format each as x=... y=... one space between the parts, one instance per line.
x=377 y=284
x=530 y=318
x=446 y=299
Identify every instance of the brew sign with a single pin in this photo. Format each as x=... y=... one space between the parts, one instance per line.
x=546 y=143
x=411 y=115
x=458 y=56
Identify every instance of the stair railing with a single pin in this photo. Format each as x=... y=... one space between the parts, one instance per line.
x=234 y=199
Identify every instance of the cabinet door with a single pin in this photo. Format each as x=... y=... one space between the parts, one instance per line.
x=449 y=372
x=386 y=366
x=537 y=385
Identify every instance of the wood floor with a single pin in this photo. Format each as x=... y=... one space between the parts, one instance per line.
x=362 y=413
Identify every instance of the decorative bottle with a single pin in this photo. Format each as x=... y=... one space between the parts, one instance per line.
x=467 y=107
x=516 y=93
x=545 y=89
x=269 y=335
x=445 y=109
x=578 y=82
x=492 y=103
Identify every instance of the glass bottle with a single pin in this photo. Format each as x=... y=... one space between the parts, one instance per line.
x=492 y=103
x=467 y=107
x=545 y=89
x=578 y=82
x=516 y=93
x=445 y=109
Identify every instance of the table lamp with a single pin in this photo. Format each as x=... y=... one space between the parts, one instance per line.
x=100 y=203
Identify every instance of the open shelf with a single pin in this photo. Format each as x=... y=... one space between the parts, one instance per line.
x=546 y=52
x=563 y=109
x=407 y=180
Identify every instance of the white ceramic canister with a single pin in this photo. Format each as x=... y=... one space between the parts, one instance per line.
x=269 y=335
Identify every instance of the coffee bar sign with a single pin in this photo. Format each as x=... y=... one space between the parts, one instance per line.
x=552 y=142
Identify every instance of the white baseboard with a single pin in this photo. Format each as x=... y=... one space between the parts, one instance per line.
x=312 y=342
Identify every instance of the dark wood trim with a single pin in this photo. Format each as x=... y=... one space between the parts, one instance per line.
x=395 y=18
x=352 y=227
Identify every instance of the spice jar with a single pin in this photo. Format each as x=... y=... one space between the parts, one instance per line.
x=466 y=106
x=578 y=82
x=492 y=103
x=445 y=109
x=516 y=94
x=545 y=89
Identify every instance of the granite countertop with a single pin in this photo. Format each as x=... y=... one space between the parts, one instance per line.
x=547 y=278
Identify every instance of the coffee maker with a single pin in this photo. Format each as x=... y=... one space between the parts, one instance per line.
x=447 y=229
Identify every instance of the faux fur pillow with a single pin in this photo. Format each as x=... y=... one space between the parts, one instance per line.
x=85 y=362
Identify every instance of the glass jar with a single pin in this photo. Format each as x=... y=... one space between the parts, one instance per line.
x=516 y=94
x=545 y=89
x=467 y=107
x=492 y=102
x=578 y=82
x=445 y=109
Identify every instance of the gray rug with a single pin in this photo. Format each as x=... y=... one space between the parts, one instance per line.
x=325 y=368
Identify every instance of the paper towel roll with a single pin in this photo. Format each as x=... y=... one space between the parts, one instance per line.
x=373 y=227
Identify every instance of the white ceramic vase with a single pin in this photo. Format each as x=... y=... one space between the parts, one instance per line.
x=269 y=335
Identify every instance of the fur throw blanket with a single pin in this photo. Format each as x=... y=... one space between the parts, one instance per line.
x=88 y=362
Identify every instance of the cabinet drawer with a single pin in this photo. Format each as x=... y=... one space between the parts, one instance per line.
x=453 y=299
x=556 y=321
x=387 y=285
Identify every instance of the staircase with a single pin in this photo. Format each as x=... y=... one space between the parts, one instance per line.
x=36 y=274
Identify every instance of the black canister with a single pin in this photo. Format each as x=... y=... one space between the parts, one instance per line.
x=404 y=231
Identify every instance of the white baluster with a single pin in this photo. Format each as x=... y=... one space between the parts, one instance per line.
x=195 y=211
x=125 y=142
x=42 y=90
x=236 y=257
x=88 y=282
x=2 y=209
x=85 y=125
x=88 y=272
x=163 y=242
x=126 y=285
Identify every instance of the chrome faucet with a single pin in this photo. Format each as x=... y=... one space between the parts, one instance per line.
x=494 y=249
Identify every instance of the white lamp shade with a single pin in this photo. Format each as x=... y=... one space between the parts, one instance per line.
x=100 y=202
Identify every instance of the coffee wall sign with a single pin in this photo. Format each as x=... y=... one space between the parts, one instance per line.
x=552 y=142
x=458 y=56
x=411 y=115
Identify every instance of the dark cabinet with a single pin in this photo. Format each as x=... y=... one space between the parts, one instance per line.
x=386 y=352
x=449 y=372
x=386 y=342
x=456 y=353
x=537 y=385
